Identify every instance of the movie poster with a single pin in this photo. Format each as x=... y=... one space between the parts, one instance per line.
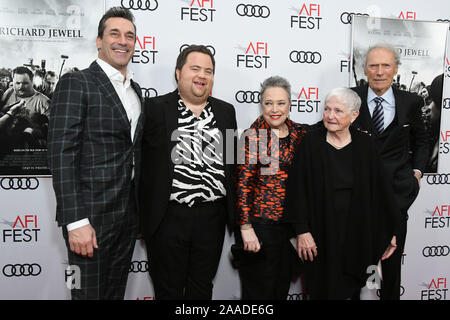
x=421 y=46
x=40 y=40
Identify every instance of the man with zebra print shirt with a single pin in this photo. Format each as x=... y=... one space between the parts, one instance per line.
x=187 y=194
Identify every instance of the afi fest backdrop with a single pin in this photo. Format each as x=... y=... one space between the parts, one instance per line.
x=308 y=42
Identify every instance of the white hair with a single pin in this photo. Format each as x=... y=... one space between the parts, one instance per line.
x=347 y=96
x=385 y=46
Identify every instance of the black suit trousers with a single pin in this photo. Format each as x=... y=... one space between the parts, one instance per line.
x=185 y=251
x=105 y=275
x=391 y=268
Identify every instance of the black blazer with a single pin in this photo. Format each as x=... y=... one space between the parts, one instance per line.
x=90 y=150
x=161 y=114
x=403 y=146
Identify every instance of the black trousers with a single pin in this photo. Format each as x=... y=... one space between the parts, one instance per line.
x=185 y=251
x=392 y=267
x=105 y=275
x=268 y=276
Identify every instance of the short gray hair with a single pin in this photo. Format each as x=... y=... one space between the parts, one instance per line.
x=275 y=82
x=347 y=96
x=385 y=46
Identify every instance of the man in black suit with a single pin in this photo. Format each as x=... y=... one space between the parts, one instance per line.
x=186 y=187
x=94 y=147
x=394 y=118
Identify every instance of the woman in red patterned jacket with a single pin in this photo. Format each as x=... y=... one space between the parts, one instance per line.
x=270 y=144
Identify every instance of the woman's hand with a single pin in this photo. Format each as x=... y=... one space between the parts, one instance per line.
x=306 y=246
x=251 y=242
x=390 y=249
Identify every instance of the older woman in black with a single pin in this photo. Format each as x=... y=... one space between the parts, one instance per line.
x=339 y=203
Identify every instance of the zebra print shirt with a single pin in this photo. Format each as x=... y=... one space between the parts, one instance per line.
x=199 y=171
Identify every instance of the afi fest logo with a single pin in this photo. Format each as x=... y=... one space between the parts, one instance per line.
x=407 y=15
x=198 y=10
x=22 y=229
x=145 y=50
x=308 y=17
x=436 y=290
x=440 y=217
x=307 y=100
x=345 y=65
x=444 y=146
x=256 y=56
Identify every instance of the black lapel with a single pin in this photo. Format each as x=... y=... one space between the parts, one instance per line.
x=108 y=91
x=220 y=116
x=364 y=114
x=140 y=123
x=400 y=107
x=171 y=118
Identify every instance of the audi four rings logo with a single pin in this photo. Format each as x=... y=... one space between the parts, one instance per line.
x=447 y=103
x=149 y=92
x=19 y=183
x=305 y=57
x=248 y=96
x=21 y=270
x=256 y=11
x=296 y=296
x=443 y=178
x=138 y=266
x=436 y=251
x=210 y=48
x=402 y=291
x=150 y=5
x=443 y=20
x=346 y=17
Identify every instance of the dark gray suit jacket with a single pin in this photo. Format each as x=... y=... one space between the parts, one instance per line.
x=90 y=149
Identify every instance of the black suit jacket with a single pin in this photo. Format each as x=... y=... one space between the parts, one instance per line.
x=403 y=145
x=161 y=114
x=90 y=150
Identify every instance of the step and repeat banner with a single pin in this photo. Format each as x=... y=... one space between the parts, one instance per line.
x=308 y=42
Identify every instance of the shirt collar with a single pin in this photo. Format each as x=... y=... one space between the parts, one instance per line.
x=113 y=74
x=388 y=96
x=182 y=106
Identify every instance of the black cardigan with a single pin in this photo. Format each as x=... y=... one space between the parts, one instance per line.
x=374 y=214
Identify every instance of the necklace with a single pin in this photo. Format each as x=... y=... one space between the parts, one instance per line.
x=340 y=145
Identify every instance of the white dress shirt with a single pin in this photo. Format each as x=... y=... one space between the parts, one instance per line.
x=388 y=105
x=130 y=102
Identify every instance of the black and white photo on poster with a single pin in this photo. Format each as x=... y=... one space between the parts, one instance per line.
x=421 y=46
x=40 y=40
